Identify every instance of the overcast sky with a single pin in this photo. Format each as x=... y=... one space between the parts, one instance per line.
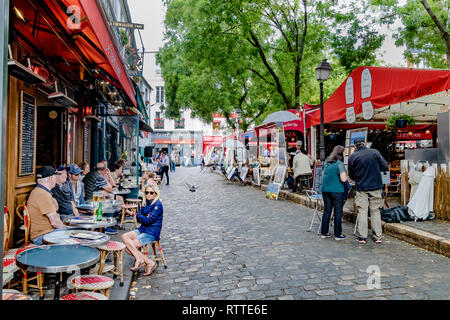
x=151 y=14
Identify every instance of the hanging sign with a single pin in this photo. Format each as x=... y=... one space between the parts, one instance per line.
x=366 y=84
x=350 y=115
x=349 y=92
x=367 y=108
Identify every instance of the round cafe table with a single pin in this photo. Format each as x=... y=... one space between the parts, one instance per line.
x=57 y=259
x=83 y=223
x=76 y=236
x=120 y=192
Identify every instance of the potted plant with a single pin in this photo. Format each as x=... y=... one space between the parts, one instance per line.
x=124 y=38
x=399 y=120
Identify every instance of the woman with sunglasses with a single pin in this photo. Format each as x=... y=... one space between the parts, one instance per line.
x=150 y=217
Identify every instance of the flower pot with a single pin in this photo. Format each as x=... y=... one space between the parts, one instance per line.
x=401 y=123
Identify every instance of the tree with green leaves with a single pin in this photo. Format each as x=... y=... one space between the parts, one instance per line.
x=259 y=56
x=425 y=30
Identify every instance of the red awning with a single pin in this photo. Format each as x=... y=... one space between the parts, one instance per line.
x=101 y=31
x=382 y=87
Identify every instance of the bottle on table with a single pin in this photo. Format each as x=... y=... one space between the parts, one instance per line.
x=99 y=212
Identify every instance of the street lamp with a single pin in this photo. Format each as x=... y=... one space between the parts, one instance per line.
x=322 y=71
x=238 y=116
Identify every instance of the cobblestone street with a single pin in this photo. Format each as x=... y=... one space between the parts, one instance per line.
x=227 y=241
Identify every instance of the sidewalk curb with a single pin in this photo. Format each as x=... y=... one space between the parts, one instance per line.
x=425 y=240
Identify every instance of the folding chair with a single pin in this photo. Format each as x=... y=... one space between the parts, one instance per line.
x=317 y=199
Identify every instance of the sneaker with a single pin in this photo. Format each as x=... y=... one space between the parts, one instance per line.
x=361 y=240
x=111 y=231
x=377 y=240
x=324 y=236
x=340 y=237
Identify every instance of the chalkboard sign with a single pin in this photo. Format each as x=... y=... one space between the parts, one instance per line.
x=27 y=135
x=318 y=178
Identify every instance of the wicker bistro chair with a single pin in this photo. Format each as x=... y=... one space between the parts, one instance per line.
x=155 y=256
x=132 y=207
x=39 y=276
x=137 y=202
x=84 y=296
x=116 y=248
x=92 y=283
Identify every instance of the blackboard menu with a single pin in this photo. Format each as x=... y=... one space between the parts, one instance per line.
x=318 y=178
x=27 y=135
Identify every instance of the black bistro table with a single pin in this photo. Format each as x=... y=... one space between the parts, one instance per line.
x=57 y=259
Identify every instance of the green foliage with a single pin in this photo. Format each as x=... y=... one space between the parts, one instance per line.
x=258 y=55
x=391 y=122
x=423 y=39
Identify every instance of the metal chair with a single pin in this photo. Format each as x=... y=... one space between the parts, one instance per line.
x=317 y=199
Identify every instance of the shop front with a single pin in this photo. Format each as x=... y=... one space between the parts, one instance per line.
x=183 y=146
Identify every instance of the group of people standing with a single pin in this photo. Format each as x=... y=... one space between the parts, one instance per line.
x=364 y=168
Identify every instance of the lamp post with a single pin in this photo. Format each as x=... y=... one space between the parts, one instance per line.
x=322 y=72
x=238 y=116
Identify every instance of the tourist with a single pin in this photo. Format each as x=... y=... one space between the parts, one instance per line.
x=62 y=192
x=42 y=207
x=150 y=217
x=364 y=167
x=94 y=181
x=334 y=177
x=77 y=186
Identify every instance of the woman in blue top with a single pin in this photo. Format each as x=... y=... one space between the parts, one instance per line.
x=150 y=217
x=334 y=177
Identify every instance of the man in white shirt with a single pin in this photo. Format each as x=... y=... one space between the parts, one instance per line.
x=165 y=162
x=301 y=164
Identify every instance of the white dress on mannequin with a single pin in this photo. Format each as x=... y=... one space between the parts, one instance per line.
x=421 y=203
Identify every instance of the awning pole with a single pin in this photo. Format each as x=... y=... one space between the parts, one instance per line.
x=4 y=12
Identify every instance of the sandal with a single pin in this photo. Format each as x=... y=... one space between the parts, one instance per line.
x=151 y=270
x=138 y=267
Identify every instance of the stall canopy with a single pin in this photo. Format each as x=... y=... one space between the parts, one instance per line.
x=418 y=92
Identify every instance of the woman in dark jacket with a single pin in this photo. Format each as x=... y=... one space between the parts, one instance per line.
x=150 y=217
x=333 y=192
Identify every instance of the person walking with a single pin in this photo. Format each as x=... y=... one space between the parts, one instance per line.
x=165 y=162
x=334 y=177
x=364 y=167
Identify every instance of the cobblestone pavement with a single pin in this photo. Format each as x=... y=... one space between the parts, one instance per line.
x=227 y=241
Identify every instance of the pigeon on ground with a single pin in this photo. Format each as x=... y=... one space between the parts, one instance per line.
x=192 y=188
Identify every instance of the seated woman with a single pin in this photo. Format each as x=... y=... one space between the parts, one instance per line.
x=150 y=217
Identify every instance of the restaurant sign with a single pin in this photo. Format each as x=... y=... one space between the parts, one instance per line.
x=414 y=136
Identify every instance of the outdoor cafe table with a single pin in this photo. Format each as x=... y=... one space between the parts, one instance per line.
x=57 y=259
x=84 y=222
x=120 y=192
x=76 y=236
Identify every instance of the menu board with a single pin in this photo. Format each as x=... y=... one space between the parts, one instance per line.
x=27 y=134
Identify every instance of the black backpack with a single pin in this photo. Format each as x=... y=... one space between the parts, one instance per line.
x=395 y=214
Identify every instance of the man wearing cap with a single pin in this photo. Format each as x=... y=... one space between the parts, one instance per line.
x=364 y=167
x=77 y=187
x=62 y=192
x=42 y=207
x=301 y=165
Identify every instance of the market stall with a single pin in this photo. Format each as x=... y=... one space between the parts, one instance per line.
x=397 y=109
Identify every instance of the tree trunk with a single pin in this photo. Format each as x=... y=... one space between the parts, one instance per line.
x=444 y=32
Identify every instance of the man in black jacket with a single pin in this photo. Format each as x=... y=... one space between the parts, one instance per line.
x=364 y=167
